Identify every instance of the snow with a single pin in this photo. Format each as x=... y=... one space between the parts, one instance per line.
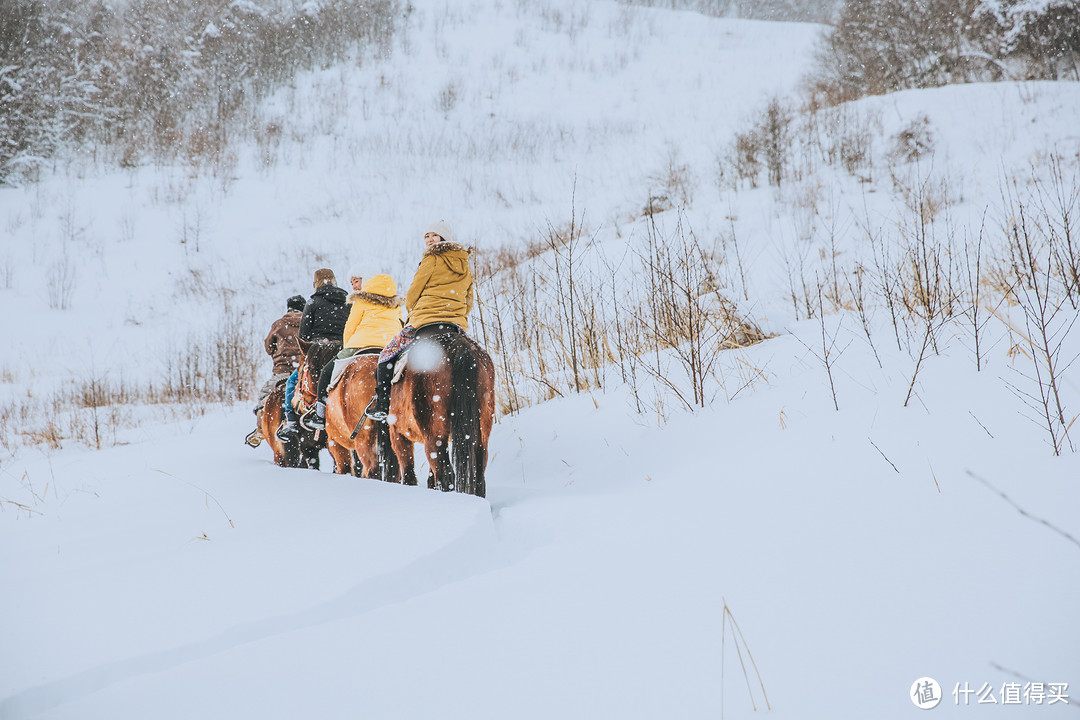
x=177 y=574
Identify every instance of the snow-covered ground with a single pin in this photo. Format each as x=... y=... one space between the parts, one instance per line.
x=623 y=565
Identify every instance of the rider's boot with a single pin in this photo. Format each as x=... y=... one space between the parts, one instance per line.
x=315 y=418
x=379 y=409
x=289 y=430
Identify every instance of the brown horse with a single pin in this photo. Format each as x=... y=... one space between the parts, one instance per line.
x=357 y=454
x=301 y=452
x=269 y=421
x=445 y=400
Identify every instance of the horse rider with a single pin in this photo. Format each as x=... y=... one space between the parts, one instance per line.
x=373 y=321
x=323 y=318
x=282 y=345
x=356 y=279
x=441 y=292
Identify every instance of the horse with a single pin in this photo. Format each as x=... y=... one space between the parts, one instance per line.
x=295 y=453
x=316 y=354
x=285 y=454
x=445 y=399
x=352 y=439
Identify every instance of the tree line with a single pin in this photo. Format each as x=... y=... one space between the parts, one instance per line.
x=156 y=78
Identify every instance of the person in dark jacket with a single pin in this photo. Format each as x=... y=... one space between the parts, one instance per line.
x=327 y=311
x=281 y=345
x=375 y=318
x=324 y=318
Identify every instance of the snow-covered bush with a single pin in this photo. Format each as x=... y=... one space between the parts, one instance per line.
x=880 y=46
x=1038 y=38
x=782 y=10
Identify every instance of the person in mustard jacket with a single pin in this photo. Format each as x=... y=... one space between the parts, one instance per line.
x=441 y=292
x=374 y=320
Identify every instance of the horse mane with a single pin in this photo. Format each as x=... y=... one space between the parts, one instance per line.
x=319 y=353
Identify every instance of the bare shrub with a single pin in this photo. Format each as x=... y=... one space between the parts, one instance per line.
x=913 y=142
x=850 y=135
x=1057 y=198
x=7 y=273
x=765 y=144
x=746 y=156
x=219 y=366
x=775 y=132
x=559 y=316
x=60 y=280
x=447 y=99
x=672 y=186
x=1041 y=296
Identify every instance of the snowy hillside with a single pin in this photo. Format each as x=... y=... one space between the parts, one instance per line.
x=868 y=497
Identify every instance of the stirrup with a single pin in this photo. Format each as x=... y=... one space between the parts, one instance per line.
x=311 y=420
x=288 y=431
x=373 y=414
x=254 y=438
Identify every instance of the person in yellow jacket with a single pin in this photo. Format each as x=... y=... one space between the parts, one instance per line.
x=374 y=320
x=441 y=293
x=375 y=317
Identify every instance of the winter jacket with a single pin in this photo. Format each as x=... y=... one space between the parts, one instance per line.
x=442 y=289
x=375 y=317
x=325 y=315
x=281 y=343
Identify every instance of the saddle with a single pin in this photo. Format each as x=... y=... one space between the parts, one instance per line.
x=340 y=365
x=431 y=330
x=437 y=328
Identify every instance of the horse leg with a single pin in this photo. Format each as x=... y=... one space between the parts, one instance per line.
x=403 y=451
x=357 y=464
x=292 y=457
x=368 y=464
x=309 y=451
x=441 y=465
x=342 y=458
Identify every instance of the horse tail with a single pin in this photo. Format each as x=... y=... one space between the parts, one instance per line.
x=465 y=413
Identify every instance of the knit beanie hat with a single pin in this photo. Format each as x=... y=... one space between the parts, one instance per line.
x=297 y=303
x=324 y=276
x=440 y=228
x=356 y=272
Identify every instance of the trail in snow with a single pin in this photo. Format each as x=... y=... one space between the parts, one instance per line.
x=469 y=555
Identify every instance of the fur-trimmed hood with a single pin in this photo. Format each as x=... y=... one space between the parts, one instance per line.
x=394 y=301
x=446 y=246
